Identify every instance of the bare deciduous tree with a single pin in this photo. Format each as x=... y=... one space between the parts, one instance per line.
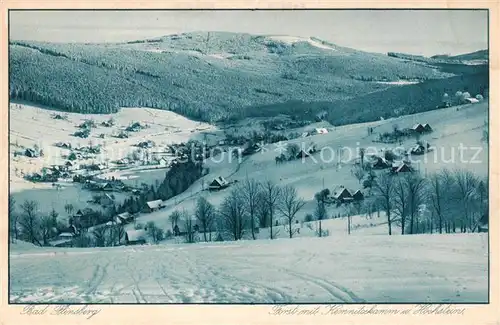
x=289 y=206
x=262 y=210
x=30 y=222
x=271 y=195
x=250 y=191
x=154 y=232
x=174 y=218
x=232 y=211
x=359 y=173
x=101 y=238
x=13 y=219
x=417 y=192
x=384 y=190
x=440 y=197
x=68 y=208
x=205 y=213
x=400 y=202
x=362 y=152
x=465 y=185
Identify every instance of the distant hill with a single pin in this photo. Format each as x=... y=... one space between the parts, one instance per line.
x=392 y=102
x=206 y=76
x=478 y=55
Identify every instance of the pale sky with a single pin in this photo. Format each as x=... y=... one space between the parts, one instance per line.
x=425 y=32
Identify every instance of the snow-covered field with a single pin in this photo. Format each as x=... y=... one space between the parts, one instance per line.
x=347 y=269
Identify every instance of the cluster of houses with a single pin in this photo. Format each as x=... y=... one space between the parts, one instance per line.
x=421 y=128
x=396 y=167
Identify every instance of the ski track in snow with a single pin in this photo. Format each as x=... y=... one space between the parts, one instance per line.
x=283 y=271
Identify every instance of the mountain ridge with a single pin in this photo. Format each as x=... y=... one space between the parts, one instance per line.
x=205 y=76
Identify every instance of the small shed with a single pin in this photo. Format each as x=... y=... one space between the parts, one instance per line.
x=135 y=237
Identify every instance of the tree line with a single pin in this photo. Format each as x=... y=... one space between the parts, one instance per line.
x=446 y=201
x=249 y=206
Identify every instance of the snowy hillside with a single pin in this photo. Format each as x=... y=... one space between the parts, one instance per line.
x=411 y=269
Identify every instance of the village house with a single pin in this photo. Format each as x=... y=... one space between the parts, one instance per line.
x=146 y=144
x=124 y=218
x=70 y=165
x=358 y=196
x=341 y=194
x=380 y=163
x=418 y=128
x=64 y=239
x=417 y=150
x=31 y=153
x=218 y=183
x=427 y=128
x=152 y=206
x=401 y=167
x=135 y=237
x=163 y=162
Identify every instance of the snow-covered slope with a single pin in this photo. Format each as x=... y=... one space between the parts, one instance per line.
x=452 y=128
x=354 y=269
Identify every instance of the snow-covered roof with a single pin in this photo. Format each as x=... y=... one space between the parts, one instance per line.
x=66 y=235
x=220 y=180
x=60 y=241
x=136 y=235
x=124 y=215
x=154 y=204
x=339 y=190
x=472 y=100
